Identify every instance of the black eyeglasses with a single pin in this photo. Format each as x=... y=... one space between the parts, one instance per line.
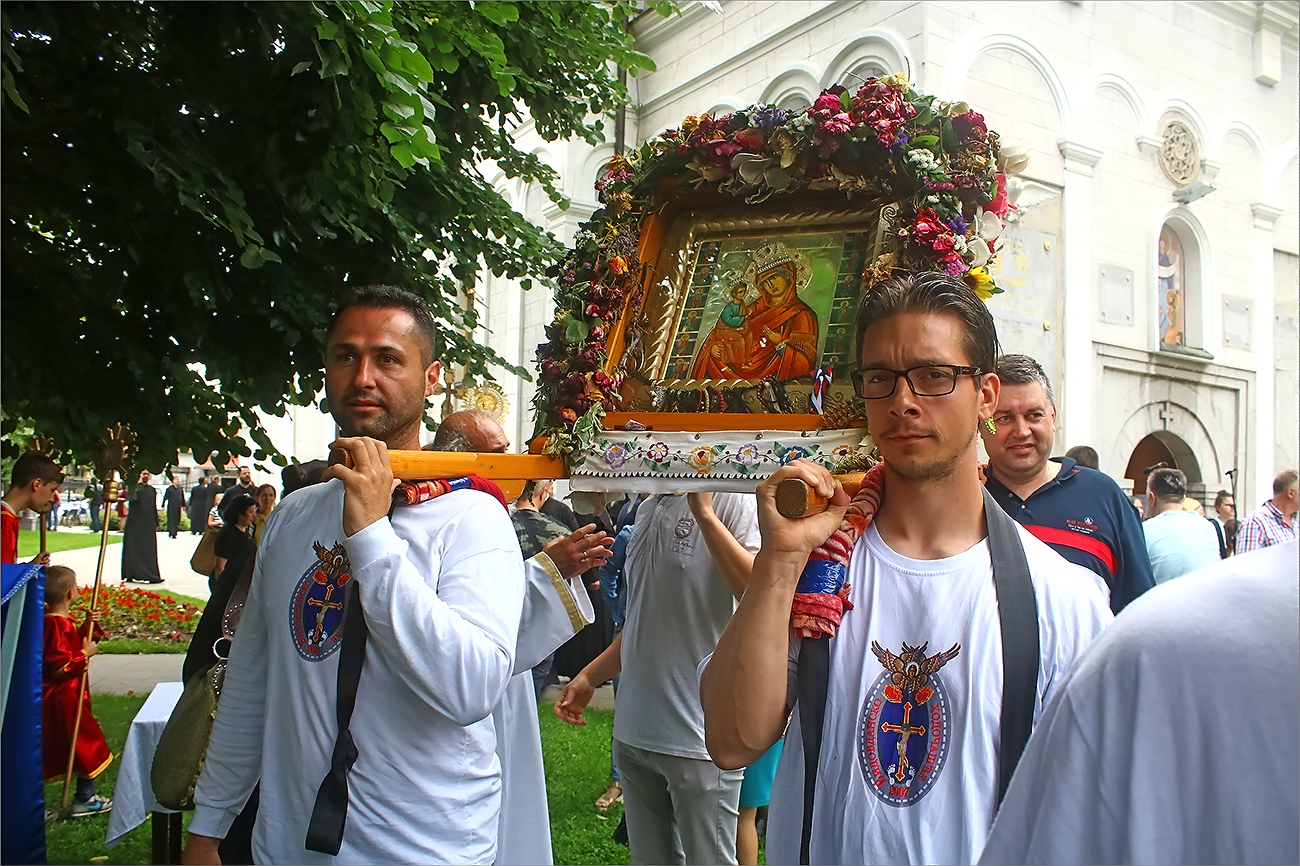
x=929 y=380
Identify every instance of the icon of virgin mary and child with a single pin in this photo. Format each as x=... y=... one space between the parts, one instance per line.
x=768 y=332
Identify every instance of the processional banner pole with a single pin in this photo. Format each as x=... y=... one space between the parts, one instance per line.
x=111 y=456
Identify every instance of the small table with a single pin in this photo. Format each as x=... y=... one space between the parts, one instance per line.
x=133 y=794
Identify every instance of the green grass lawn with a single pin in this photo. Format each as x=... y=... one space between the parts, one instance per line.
x=577 y=772
x=29 y=541
x=77 y=840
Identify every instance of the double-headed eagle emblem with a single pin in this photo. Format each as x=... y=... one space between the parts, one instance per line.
x=911 y=670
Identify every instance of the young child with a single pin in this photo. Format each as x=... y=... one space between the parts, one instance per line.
x=66 y=655
x=32 y=484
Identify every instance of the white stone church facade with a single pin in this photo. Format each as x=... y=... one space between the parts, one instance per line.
x=1169 y=327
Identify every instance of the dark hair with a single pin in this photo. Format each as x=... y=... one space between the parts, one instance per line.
x=1084 y=455
x=1220 y=496
x=935 y=294
x=1168 y=484
x=58 y=580
x=1022 y=370
x=1283 y=480
x=239 y=506
x=33 y=465
x=384 y=297
x=299 y=475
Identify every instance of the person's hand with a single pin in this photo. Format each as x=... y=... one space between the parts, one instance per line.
x=573 y=699
x=89 y=647
x=984 y=478
x=583 y=549
x=41 y=558
x=368 y=486
x=201 y=851
x=799 y=536
x=701 y=505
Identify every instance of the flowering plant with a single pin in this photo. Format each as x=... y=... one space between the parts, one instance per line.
x=887 y=143
x=141 y=614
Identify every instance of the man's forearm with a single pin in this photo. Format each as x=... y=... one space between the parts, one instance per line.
x=604 y=666
x=733 y=560
x=743 y=689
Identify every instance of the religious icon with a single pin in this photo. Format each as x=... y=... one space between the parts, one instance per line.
x=1171 y=293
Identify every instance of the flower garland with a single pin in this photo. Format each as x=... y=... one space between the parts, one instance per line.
x=939 y=161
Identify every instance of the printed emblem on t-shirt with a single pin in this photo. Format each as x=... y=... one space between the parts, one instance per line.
x=685 y=533
x=1087 y=526
x=320 y=599
x=904 y=730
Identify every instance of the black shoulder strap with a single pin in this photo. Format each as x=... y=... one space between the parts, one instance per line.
x=325 y=831
x=1018 y=618
x=814 y=680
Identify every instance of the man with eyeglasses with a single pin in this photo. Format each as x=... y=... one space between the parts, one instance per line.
x=1080 y=513
x=908 y=767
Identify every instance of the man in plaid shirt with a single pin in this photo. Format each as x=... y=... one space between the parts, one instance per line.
x=1274 y=521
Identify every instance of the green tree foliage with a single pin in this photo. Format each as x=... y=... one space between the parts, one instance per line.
x=188 y=187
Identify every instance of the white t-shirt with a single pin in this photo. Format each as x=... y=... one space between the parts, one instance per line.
x=678 y=605
x=918 y=616
x=1179 y=542
x=1176 y=737
x=442 y=587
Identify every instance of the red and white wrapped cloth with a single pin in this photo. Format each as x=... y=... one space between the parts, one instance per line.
x=821 y=597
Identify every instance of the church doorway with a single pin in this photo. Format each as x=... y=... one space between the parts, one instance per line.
x=1162 y=447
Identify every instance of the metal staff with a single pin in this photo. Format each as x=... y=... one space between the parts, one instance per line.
x=111 y=454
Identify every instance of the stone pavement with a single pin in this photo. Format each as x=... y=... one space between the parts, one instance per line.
x=133 y=674
x=173 y=563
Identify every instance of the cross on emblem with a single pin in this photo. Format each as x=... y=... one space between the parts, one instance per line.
x=904 y=731
x=325 y=605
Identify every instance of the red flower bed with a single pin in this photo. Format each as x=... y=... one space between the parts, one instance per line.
x=141 y=614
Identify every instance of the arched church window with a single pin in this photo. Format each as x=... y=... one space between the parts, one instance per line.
x=862 y=72
x=1171 y=295
x=794 y=102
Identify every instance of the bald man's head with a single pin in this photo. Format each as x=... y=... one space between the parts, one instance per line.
x=479 y=428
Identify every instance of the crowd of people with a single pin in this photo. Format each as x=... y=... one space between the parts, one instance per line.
x=996 y=676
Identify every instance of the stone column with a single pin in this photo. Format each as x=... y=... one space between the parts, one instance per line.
x=1075 y=390
x=1259 y=484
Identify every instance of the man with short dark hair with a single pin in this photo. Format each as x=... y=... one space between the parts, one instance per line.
x=173 y=502
x=243 y=485
x=202 y=497
x=1178 y=541
x=1274 y=521
x=909 y=769
x=1225 y=509
x=33 y=482
x=1085 y=456
x=428 y=594
x=1080 y=513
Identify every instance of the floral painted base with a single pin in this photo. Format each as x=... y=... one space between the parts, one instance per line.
x=731 y=461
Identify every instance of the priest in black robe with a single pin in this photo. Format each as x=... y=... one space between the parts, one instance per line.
x=173 y=502
x=140 y=535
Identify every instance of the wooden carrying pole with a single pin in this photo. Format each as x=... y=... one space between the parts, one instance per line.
x=110 y=495
x=793 y=497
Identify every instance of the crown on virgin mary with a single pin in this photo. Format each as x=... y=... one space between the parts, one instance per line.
x=773 y=255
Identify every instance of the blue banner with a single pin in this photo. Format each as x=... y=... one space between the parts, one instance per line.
x=22 y=809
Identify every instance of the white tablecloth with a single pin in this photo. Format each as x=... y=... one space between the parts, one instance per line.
x=133 y=794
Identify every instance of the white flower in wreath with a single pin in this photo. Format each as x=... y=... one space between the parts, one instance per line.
x=657 y=453
x=748 y=455
x=616 y=455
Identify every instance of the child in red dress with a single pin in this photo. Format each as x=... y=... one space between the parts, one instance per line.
x=67 y=653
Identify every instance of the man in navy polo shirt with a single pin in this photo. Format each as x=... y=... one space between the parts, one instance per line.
x=1081 y=513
